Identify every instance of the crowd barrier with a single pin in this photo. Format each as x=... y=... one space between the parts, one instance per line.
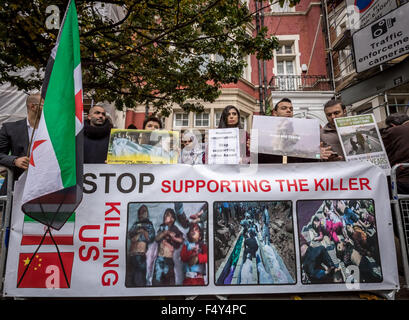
x=400 y=204
x=6 y=207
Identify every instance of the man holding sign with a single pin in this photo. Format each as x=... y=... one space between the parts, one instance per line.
x=331 y=149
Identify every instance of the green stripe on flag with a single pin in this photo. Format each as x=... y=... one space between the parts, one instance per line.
x=29 y=219
x=59 y=104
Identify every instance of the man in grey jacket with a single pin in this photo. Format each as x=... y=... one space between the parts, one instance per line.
x=15 y=137
x=331 y=149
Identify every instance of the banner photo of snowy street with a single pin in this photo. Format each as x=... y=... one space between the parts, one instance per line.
x=178 y=229
x=361 y=140
x=261 y=246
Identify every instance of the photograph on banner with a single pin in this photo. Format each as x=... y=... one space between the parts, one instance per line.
x=338 y=241
x=128 y=146
x=192 y=143
x=361 y=140
x=167 y=244
x=254 y=243
x=287 y=136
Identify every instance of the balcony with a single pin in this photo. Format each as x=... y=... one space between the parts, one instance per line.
x=300 y=83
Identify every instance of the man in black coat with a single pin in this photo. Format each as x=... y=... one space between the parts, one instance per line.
x=15 y=137
x=97 y=129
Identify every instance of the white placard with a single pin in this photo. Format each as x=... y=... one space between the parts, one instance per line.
x=224 y=146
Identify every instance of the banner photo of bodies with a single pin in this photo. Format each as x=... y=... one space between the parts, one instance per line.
x=146 y=230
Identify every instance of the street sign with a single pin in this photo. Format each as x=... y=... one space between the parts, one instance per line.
x=383 y=40
x=363 y=12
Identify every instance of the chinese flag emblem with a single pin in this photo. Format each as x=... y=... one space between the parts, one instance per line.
x=45 y=270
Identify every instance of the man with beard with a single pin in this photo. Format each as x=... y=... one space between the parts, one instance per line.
x=97 y=129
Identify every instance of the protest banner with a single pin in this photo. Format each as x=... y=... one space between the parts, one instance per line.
x=287 y=136
x=361 y=140
x=143 y=146
x=146 y=230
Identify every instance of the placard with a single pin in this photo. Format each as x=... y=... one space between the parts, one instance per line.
x=361 y=140
x=143 y=146
x=287 y=136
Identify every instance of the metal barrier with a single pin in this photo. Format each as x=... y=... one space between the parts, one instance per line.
x=5 y=225
x=400 y=203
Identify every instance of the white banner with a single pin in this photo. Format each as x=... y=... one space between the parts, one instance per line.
x=178 y=229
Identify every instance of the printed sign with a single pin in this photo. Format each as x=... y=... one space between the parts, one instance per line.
x=144 y=230
x=287 y=136
x=224 y=147
x=361 y=140
x=360 y=13
x=143 y=146
x=383 y=40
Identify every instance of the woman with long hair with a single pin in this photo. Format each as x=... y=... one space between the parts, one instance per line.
x=230 y=118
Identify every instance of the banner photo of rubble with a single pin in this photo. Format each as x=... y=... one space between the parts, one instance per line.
x=167 y=244
x=254 y=243
x=338 y=241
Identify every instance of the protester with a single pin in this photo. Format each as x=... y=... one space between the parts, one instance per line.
x=230 y=118
x=15 y=137
x=283 y=108
x=396 y=141
x=97 y=129
x=192 y=152
x=152 y=123
x=331 y=149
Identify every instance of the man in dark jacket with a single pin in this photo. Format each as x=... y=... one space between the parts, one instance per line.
x=97 y=129
x=395 y=139
x=15 y=137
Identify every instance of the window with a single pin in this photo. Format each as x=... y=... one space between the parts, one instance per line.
x=286 y=49
x=345 y=61
x=217 y=116
x=286 y=7
x=181 y=120
x=202 y=119
x=286 y=63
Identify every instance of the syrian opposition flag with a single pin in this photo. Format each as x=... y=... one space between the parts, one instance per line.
x=53 y=187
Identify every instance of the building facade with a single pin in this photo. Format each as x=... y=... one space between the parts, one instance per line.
x=298 y=71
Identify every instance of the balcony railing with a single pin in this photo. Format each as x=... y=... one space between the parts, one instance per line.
x=300 y=83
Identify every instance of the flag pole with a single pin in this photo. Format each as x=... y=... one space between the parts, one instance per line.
x=37 y=118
